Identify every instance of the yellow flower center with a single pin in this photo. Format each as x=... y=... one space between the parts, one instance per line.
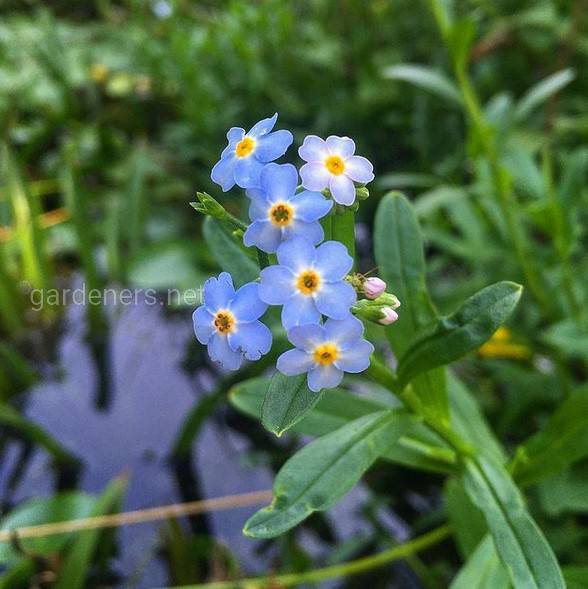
x=326 y=354
x=308 y=282
x=335 y=165
x=281 y=214
x=224 y=322
x=245 y=147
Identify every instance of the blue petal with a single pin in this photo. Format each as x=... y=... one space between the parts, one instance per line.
x=271 y=147
x=202 y=320
x=264 y=235
x=315 y=176
x=220 y=351
x=276 y=285
x=246 y=304
x=313 y=149
x=311 y=206
x=259 y=206
x=344 y=332
x=356 y=358
x=342 y=146
x=307 y=337
x=247 y=172
x=333 y=261
x=342 y=189
x=359 y=169
x=294 y=362
x=312 y=232
x=252 y=339
x=296 y=253
x=335 y=299
x=235 y=134
x=223 y=172
x=299 y=310
x=324 y=377
x=263 y=127
x=218 y=292
x=255 y=193
x=279 y=181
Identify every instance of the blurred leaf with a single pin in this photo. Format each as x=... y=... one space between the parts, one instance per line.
x=287 y=400
x=76 y=564
x=397 y=180
x=569 y=338
x=576 y=577
x=19 y=575
x=229 y=255
x=483 y=570
x=466 y=520
x=400 y=257
x=542 y=91
x=317 y=476
x=519 y=542
x=31 y=431
x=58 y=508
x=461 y=332
x=561 y=442
x=566 y=492
x=427 y=79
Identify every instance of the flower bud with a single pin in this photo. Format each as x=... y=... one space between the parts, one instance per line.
x=362 y=193
x=389 y=315
x=373 y=287
x=209 y=206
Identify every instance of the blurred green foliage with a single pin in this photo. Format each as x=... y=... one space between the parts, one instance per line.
x=112 y=114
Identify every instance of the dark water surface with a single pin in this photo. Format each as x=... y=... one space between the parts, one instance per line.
x=150 y=395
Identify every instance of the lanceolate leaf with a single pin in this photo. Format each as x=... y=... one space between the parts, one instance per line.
x=401 y=263
x=483 y=570
x=228 y=254
x=563 y=441
x=315 y=478
x=542 y=91
x=519 y=542
x=287 y=401
x=463 y=331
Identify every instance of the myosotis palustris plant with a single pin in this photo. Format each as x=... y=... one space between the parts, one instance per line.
x=303 y=234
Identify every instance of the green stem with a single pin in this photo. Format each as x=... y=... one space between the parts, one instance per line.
x=339 y=570
x=343 y=230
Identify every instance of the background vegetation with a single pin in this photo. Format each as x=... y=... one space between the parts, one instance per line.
x=111 y=117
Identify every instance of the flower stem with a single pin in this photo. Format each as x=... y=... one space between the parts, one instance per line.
x=339 y=570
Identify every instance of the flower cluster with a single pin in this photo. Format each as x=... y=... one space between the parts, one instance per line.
x=310 y=279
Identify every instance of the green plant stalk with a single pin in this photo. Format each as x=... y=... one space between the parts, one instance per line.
x=343 y=230
x=347 y=569
x=483 y=133
x=11 y=311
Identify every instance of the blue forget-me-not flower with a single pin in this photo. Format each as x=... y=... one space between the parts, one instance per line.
x=246 y=154
x=228 y=322
x=309 y=282
x=326 y=351
x=332 y=164
x=278 y=213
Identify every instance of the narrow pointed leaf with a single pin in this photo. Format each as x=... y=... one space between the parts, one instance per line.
x=521 y=545
x=317 y=476
x=461 y=332
x=541 y=91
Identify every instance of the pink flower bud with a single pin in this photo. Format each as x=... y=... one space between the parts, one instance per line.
x=374 y=287
x=389 y=315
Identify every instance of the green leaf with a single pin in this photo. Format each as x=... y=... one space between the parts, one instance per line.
x=576 y=577
x=418 y=447
x=427 y=79
x=566 y=492
x=31 y=431
x=229 y=254
x=287 y=401
x=461 y=332
x=568 y=337
x=19 y=575
x=519 y=542
x=483 y=570
x=79 y=558
x=61 y=507
x=542 y=91
x=317 y=476
x=400 y=257
x=563 y=441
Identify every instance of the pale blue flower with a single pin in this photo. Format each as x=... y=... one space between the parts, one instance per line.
x=228 y=322
x=333 y=165
x=278 y=213
x=246 y=154
x=309 y=282
x=326 y=351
